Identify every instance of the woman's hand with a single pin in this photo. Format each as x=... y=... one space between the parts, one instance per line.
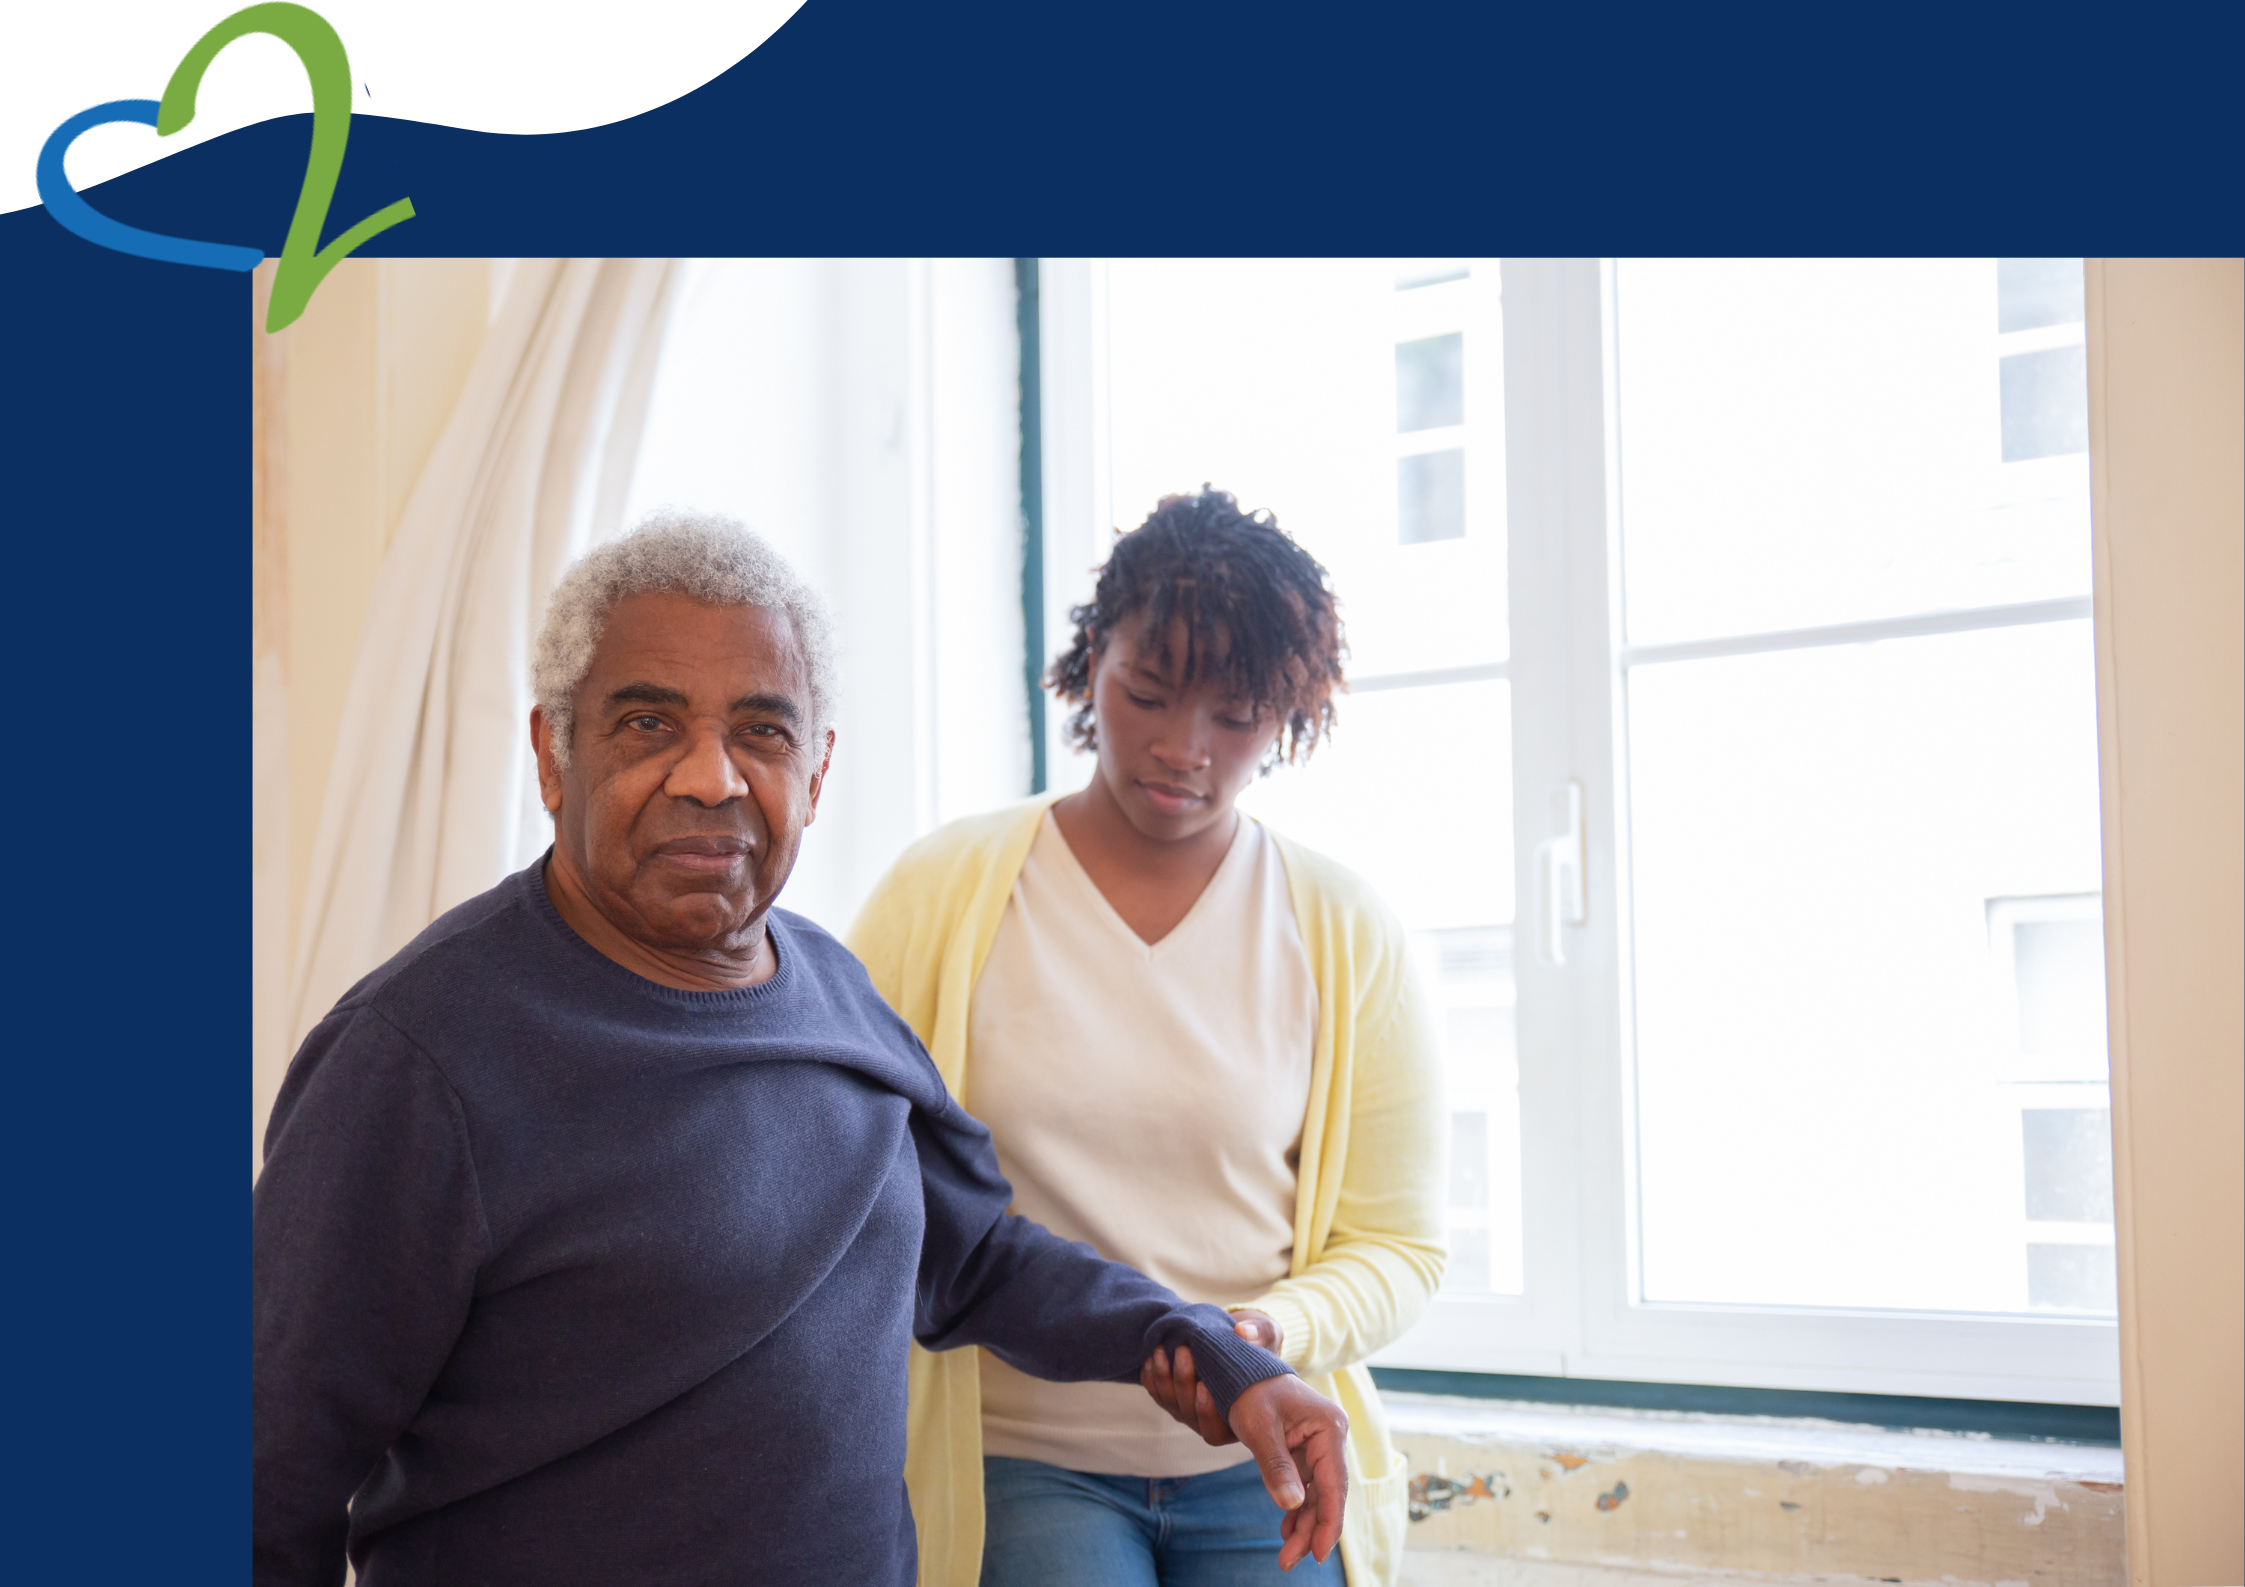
x=1258 y=1328
x=1178 y=1391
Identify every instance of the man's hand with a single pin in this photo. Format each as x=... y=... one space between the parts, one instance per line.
x=1299 y=1439
x=1176 y=1391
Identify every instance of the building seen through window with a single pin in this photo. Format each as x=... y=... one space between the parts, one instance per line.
x=1827 y=1109
x=2045 y=358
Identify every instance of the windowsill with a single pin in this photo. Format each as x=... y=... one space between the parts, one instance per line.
x=1692 y=1493
x=2000 y=1419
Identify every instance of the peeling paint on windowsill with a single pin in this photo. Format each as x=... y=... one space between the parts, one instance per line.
x=1748 y=1499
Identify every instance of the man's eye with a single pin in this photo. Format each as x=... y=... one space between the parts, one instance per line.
x=645 y=722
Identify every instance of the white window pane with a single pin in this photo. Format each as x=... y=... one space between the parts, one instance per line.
x=2057 y=981
x=2032 y=293
x=1436 y=841
x=1360 y=400
x=2045 y=403
x=2076 y=1278
x=2068 y=1164
x=1430 y=382
x=1430 y=496
x=1862 y=990
x=1414 y=793
x=1808 y=442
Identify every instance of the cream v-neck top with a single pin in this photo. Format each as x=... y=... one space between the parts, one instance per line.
x=1148 y=1100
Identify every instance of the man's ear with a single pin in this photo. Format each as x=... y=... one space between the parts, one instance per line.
x=549 y=769
x=818 y=778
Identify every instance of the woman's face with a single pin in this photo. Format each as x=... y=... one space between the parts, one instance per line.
x=1174 y=758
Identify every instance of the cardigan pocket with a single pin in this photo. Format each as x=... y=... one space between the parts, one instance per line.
x=1373 y=1556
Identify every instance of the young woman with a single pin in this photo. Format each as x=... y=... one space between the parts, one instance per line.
x=1199 y=1047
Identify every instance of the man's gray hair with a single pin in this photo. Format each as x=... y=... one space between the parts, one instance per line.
x=714 y=559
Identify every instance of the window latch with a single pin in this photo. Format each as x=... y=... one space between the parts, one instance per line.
x=1562 y=898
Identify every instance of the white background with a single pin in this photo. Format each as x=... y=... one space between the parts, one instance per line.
x=487 y=65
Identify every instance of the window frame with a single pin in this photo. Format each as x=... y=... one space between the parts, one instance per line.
x=1581 y=1312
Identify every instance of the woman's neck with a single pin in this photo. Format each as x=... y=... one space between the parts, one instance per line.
x=1152 y=883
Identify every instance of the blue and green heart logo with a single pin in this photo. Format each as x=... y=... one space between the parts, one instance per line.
x=304 y=263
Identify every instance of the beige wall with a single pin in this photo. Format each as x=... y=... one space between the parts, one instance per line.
x=2167 y=459
x=349 y=401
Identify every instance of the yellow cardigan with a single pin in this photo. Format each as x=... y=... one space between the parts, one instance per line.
x=1368 y=1220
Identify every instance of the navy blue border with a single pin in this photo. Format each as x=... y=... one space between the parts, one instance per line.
x=887 y=127
x=864 y=126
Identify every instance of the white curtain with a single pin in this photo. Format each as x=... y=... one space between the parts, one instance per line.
x=432 y=795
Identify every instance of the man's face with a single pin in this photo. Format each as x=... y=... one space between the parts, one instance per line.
x=1174 y=757
x=692 y=773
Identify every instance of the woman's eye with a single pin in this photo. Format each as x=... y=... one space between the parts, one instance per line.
x=1141 y=701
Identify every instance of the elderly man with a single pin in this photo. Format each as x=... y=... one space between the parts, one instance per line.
x=594 y=1225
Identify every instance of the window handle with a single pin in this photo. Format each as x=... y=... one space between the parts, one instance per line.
x=1561 y=897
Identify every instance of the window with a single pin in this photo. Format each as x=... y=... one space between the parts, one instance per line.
x=2048 y=958
x=1832 y=762
x=1722 y=728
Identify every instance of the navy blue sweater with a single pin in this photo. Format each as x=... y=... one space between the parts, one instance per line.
x=566 y=1277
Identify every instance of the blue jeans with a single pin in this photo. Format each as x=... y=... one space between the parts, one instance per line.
x=1049 y=1527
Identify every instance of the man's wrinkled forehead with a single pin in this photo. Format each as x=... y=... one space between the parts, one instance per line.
x=646 y=655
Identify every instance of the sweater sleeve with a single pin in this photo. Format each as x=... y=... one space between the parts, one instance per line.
x=1383 y=1257
x=367 y=1231
x=1053 y=1308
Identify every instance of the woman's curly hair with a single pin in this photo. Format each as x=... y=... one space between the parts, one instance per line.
x=1258 y=615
